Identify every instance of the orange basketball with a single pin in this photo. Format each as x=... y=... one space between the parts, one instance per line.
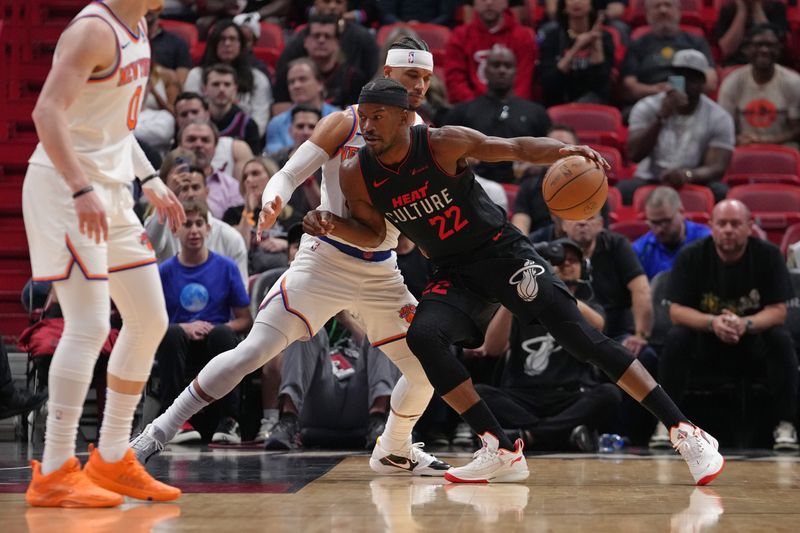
x=575 y=188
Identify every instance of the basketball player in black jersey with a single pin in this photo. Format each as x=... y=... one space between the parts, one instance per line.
x=417 y=178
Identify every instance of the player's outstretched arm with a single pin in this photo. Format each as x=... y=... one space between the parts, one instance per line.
x=366 y=226
x=85 y=47
x=329 y=135
x=454 y=143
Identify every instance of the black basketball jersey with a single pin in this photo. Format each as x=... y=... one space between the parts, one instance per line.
x=446 y=215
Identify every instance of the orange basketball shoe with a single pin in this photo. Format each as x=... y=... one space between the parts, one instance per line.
x=67 y=487
x=128 y=477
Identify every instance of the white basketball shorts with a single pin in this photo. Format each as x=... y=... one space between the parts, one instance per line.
x=56 y=245
x=322 y=281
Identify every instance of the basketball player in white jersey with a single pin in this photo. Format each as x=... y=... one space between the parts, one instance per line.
x=326 y=277
x=85 y=238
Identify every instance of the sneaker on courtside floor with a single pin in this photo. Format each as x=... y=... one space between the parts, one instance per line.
x=264 y=430
x=186 y=435
x=146 y=444
x=411 y=460
x=699 y=450
x=127 y=477
x=227 y=432
x=67 y=487
x=492 y=464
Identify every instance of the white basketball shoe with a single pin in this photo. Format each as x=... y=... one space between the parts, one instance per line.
x=411 y=460
x=492 y=464
x=699 y=450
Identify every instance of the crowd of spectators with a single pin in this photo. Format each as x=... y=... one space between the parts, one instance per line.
x=225 y=112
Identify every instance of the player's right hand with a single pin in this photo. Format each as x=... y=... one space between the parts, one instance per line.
x=92 y=220
x=317 y=223
x=268 y=215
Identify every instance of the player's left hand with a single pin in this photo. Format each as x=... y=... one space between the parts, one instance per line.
x=167 y=205
x=317 y=223
x=585 y=151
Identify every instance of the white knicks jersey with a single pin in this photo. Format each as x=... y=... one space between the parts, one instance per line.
x=332 y=198
x=102 y=118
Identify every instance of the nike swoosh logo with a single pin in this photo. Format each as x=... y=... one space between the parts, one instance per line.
x=399 y=462
x=415 y=171
x=125 y=45
x=377 y=184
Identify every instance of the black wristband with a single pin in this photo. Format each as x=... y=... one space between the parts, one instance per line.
x=148 y=178
x=81 y=192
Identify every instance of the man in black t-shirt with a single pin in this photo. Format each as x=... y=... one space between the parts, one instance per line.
x=169 y=50
x=500 y=113
x=728 y=295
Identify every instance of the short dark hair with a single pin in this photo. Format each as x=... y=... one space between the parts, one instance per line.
x=322 y=19
x=385 y=91
x=302 y=108
x=190 y=95
x=220 y=68
x=409 y=43
x=310 y=63
x=765 y=27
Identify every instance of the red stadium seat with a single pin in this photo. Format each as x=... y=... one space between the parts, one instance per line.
x=186 y=31
x=695 y=198
x=271 y=36
x=632 y=229
x=594 y=123
x=617 y=172
x=790 y=236
x=775 y=207
x=734 y=180
x=764 y=159
x=268 y=55
x=614 y=203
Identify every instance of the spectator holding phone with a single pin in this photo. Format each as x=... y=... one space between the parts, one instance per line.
x=680 y=136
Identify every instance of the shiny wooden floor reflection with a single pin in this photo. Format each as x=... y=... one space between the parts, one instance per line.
x=340 y=494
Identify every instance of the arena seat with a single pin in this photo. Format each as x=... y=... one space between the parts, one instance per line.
x=435 y=35
x=734 y=180
x=186 y=31
x=775 y=207
x=632 y=229
x=271 y=36
x=764 y=159
x=617 y=172
x=594 y=123
x=268 y=55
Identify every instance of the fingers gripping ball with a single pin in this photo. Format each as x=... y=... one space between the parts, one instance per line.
x=575 y=188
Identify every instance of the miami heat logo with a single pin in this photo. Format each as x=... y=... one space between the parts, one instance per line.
x=144 y=241
x=525 y=280
x=407 y=312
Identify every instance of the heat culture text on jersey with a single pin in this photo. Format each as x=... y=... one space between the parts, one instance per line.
x=445 y=214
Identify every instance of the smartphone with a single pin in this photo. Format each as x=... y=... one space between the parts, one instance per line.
x=182 y=164
x=678 y=83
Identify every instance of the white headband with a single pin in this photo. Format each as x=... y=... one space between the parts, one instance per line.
x=402 y=57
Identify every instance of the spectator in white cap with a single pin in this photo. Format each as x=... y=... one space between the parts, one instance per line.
x=680 y=136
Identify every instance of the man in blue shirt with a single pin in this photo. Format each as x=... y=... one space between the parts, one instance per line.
x=208 y=308
x=669 y=231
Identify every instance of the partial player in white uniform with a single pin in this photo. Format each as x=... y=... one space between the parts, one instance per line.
x=327 y=276
x=84 y=236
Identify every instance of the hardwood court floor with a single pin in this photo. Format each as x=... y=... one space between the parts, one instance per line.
x=243 y=491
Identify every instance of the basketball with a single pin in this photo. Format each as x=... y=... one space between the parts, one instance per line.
x=575 y=188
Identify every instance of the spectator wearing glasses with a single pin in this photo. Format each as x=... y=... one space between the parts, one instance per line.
x=322 y=44
x=737 y=18
x=669 y=231
x=763 y=97
x=499 y=112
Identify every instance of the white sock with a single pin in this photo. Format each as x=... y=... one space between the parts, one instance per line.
x=116 y=429
x=397 y=432
x=270 y=415
x=59 y=436
x=185 y=405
